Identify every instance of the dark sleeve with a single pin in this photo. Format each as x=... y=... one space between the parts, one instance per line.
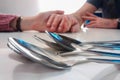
x=96 y=3
x=5 y=21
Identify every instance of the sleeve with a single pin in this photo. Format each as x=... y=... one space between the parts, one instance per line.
x=96 y=3
x=5 y=21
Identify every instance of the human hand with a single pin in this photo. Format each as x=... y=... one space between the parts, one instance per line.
x=63 y=23
x=38 y=22
x=98 y=22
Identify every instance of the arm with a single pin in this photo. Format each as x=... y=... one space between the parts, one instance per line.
x=7 y=22
x=96 y=22
x=37 y=22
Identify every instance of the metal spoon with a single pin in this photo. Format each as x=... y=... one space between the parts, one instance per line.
x=35 y=53
x=35 y=58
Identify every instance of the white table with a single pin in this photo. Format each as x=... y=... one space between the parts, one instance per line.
x=15 y=67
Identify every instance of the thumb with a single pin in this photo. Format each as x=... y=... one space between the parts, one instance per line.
x=58 y=12
x=75 y=28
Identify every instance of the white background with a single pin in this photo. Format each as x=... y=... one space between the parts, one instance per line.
x=32 y=7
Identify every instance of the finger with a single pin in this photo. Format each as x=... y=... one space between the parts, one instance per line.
x=90 y=14
x=57 y=12
x=50 y=20
x=91 y=22
x=75 y=28
x=64 y=26
x=91 y=25
x=60 y=28
x=56 y=22
x=88 y=18
x=67 y=25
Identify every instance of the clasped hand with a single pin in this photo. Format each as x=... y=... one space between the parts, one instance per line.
x=63 y=23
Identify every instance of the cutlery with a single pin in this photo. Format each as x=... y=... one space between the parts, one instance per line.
x=50 y=59
x=35 y=53
x=67 y=41
x=110 y=48
x=51 y=44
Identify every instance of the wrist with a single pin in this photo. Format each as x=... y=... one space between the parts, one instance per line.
x=78 y=18
x=26 y=23
x=115 y=23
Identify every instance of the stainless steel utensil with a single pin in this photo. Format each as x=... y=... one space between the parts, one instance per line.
x=66 y=41
x=45 y=57
x=36 y=54
x=51 y=44
x=107 y=46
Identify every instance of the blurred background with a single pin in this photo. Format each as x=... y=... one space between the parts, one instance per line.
x=32 y=7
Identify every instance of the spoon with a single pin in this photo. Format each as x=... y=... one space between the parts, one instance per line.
x=35 y=58
x=35 y=53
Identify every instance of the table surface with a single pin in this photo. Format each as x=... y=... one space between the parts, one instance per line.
x=16 y=67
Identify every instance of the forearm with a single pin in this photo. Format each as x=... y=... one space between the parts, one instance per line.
x=27 y=23
x=32 y=23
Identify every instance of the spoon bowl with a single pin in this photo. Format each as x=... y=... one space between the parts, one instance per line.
x=36 y=54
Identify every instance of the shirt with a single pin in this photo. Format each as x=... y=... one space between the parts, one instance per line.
x=5 y=21
x=110 y=8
